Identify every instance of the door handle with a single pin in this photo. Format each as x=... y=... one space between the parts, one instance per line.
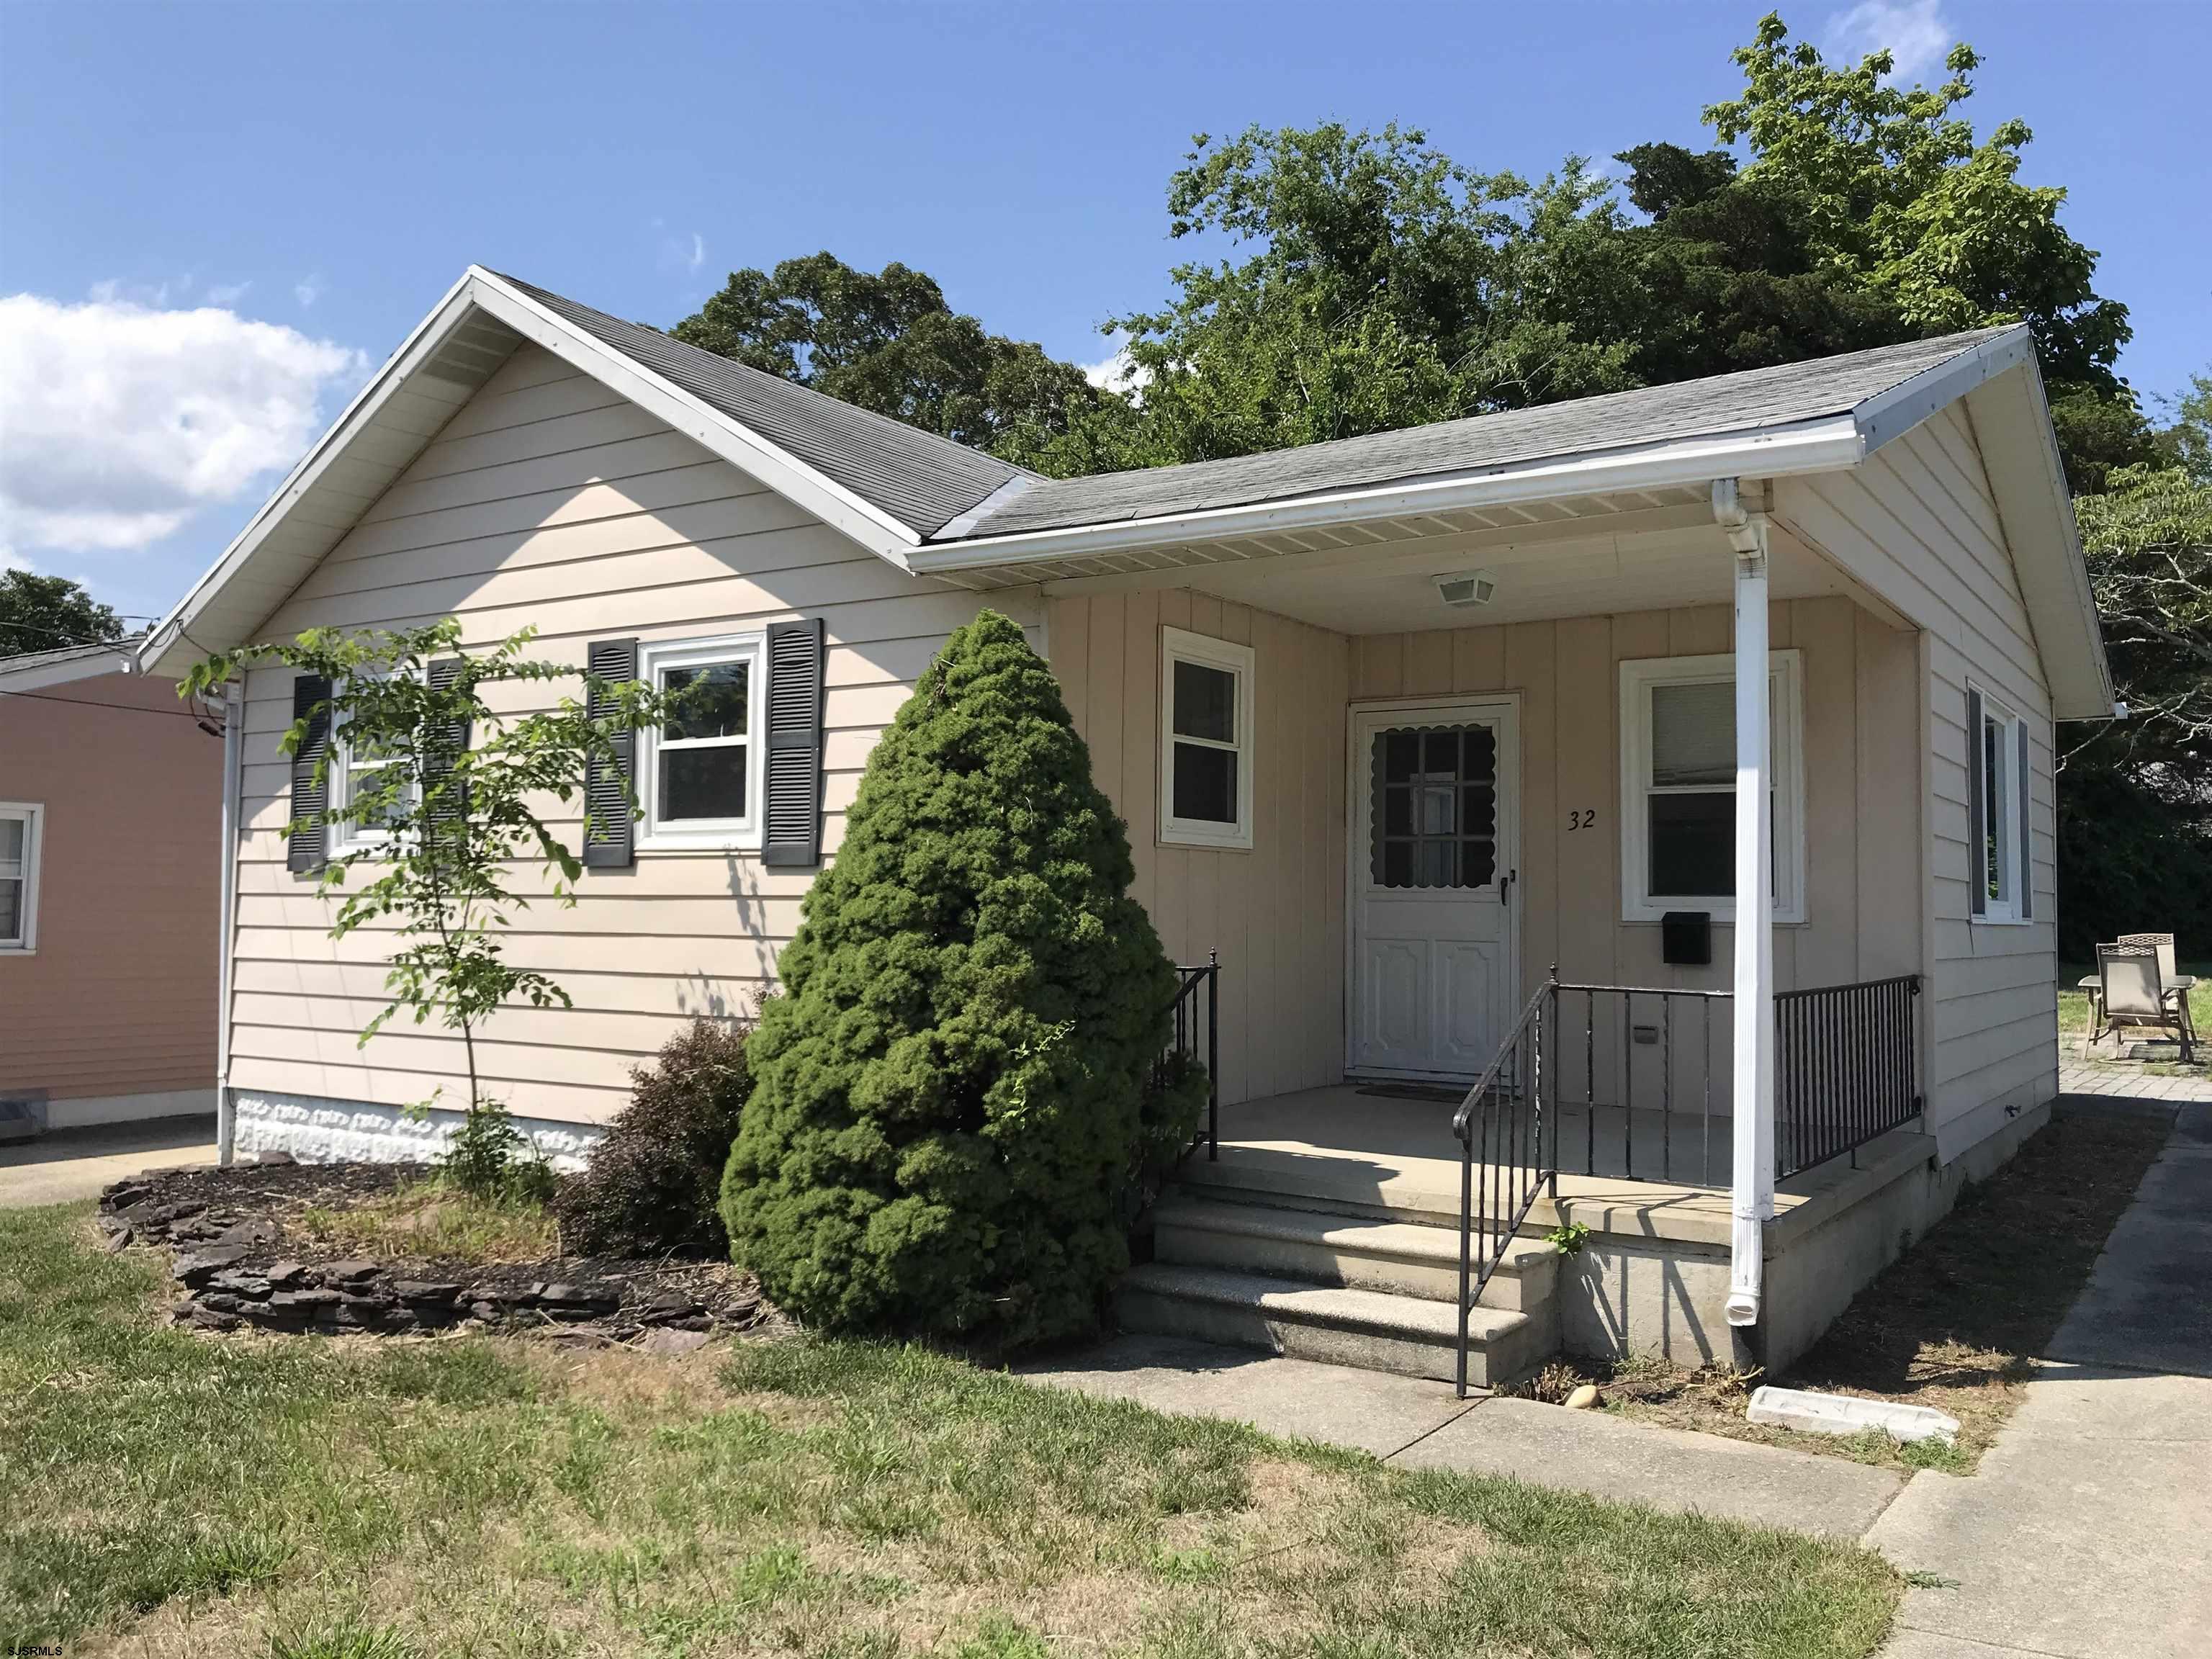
x=1505 y=885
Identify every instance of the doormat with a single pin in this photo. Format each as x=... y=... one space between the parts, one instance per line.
x=1415 y=1091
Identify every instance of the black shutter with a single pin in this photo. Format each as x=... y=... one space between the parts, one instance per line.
x=1977 y=809
x=2026 y=833
x=611 y=830
x=305 y=851
x=795 y=657
x=453 y=804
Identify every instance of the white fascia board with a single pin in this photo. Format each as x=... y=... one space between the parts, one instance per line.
x=787 y=475
x=1829 y=445
x=418 y=347
x=2011 y=422
x=478 y=289
x=1893 y=413
x=121 y=660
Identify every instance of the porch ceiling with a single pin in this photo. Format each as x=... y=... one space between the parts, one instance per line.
x=1577 y=555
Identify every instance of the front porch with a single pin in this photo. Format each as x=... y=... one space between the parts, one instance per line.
x=1327 y=1223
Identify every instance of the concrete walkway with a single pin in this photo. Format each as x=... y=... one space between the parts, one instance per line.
x=1412 y=1424
x=69 y=1164
x=2087 y=1530
x=2078 y=1077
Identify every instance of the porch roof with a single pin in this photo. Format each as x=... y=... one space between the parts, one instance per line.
x=1857 y=384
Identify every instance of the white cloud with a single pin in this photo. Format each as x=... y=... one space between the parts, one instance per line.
x=307 y=290
x=684 y=253
x=121 y=421
x=1913 y=32
x=227 y=294
x=1117 y=372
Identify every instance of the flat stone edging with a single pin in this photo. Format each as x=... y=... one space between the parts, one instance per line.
x=237 y=1273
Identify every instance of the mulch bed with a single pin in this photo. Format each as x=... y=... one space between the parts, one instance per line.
x=239 y=1268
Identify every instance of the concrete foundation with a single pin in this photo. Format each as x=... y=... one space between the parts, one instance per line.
x=317 y=1129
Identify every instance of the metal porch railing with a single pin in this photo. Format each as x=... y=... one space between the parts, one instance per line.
x=1195 y=1036
x=1846 y=1072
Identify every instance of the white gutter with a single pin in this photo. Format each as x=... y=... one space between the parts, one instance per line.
x=1830 y=444
x=234 y=772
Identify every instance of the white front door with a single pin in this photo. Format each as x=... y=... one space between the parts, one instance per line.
x=1435 y=791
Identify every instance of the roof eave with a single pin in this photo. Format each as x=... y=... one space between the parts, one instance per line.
x=175 y=642
x=1826 y=444
x=36 y=677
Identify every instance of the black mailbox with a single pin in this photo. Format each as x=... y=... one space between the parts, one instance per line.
x=1686 y=937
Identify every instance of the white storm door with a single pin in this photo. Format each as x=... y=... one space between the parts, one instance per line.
x=1435 y=803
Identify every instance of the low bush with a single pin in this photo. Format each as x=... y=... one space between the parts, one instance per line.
x=651 y=1184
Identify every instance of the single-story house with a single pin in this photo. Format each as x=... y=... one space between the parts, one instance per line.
x=1436 y=737
x=110 y=892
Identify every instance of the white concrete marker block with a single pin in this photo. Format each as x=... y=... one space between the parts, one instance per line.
x=1843 y=1414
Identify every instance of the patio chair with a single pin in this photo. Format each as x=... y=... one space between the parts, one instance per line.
x=2130 y=991
x=2176 y=985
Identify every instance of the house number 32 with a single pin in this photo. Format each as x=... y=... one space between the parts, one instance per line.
x=1582 y=820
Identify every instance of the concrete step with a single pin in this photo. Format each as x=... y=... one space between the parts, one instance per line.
x=1410 y=1335
x=1397 y=1258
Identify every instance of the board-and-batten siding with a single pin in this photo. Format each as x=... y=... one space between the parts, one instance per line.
x=1919 y=518
x=1276 y=912
x=548 y=501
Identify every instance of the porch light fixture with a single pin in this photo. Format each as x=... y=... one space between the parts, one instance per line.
x=1467 y=587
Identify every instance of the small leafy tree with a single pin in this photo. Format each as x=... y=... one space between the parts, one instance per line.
x=953 y=1098
x=452 y=800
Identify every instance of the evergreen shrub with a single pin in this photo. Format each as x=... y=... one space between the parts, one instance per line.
x=954 y=1099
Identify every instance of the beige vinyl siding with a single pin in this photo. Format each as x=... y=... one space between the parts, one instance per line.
x=549 y=503
x=1275 y=912
x=1919 y=522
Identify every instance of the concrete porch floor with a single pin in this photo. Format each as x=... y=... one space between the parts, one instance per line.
x=1345 y=1147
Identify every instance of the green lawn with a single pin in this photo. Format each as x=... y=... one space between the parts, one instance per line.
x=344 y=1499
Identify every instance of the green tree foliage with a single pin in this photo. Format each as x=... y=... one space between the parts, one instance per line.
x=1373 y=283
x=2135 y=797
x=48 y=613
x=887 y=341
x=951 y=1104
x=456 y=801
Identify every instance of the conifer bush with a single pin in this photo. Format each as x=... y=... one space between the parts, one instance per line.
x=952 y=1102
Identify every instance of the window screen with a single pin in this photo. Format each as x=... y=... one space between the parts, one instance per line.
x=1204 y=736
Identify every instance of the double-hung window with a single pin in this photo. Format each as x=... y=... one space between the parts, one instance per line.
x=19 y=823
x=701 y=772
x=1206 y=741
x=2001 y=870
x=1678 y=786
x=374 y=796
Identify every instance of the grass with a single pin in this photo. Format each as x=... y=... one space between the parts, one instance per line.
x=1956 y=1321
x=314 y=1498
x=433 y=1218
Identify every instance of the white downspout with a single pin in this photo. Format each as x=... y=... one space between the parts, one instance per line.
x=233 y=741
x=1753 y=1195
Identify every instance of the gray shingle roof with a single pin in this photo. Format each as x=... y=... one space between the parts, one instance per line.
x=24 y=661
x=1688 y=409
x=919 y=479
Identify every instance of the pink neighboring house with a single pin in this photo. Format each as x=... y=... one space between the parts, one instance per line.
x=110 y=893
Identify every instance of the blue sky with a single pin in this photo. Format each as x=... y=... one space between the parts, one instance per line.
x=231 y=211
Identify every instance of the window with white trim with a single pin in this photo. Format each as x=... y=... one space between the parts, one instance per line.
x=1997 y=812
x=1205 y=740
x=356 y=777
x=19 y=823
x=700 y=773
x=1678 y=786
